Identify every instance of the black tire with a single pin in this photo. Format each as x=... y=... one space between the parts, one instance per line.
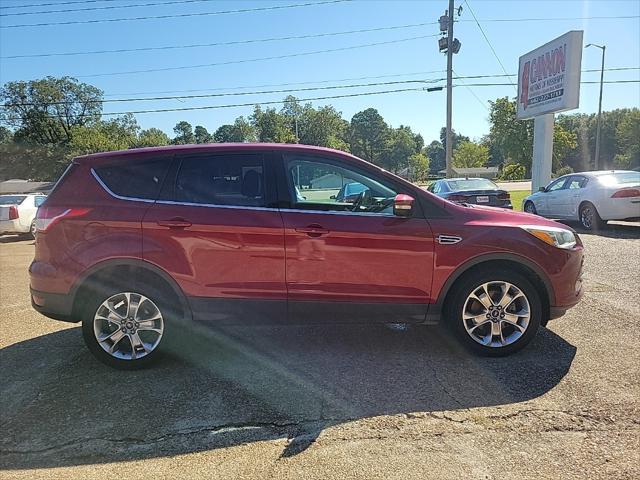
x=531 y=209
x=32 y=230
x=590 y=218
x=94 y=302
x=468 y=284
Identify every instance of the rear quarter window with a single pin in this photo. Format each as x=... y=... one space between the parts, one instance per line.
x=140 y=179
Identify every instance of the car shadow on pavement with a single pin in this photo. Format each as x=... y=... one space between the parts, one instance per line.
x=235 y=386
x=627 y=230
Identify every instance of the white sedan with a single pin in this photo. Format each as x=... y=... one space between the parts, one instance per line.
x=592 y=198
x=18 y=212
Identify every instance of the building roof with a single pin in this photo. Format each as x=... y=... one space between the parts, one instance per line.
x=24 y=186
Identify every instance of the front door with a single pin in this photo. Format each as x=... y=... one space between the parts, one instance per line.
x=214 y=231
x=348 y=258
x=551 y=201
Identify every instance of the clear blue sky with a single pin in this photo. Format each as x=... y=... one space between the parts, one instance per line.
x=424 y=112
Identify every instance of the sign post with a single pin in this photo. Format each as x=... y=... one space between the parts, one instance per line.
x=548 y=82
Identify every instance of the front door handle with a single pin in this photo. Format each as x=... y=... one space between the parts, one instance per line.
x=176 y=222
x=313 y=230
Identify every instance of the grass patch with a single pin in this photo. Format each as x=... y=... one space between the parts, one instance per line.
x=516 y=198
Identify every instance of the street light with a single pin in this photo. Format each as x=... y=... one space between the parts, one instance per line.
x=603 y=48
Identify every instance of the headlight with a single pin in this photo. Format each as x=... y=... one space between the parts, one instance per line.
x=558 y=237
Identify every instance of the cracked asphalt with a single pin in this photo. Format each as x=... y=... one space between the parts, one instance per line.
x=314 y=402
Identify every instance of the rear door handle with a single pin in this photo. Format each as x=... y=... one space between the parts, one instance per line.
x=313 y=230
x=175 y=223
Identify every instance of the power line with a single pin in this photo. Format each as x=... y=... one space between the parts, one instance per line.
x=259 y=59
x=600 y=17
x=108 y=7
x=176 y=15
x=348 y=95
x=233 y=94
x=489 y=43
x=233 y=42
x=57 y=3
x=470 y=91
x=315 y=82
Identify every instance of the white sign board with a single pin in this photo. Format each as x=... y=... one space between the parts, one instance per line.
x=549 y=77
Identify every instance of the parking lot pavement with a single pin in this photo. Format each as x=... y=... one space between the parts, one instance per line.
x=334 y=402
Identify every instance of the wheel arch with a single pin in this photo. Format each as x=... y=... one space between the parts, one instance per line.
x=107 y=271
x=520 y=264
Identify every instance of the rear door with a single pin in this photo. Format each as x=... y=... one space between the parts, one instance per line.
x=573 y=188
x=215 y=230
x=346 y=261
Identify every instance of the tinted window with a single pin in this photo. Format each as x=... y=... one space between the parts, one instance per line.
x=471 y=184
x=39 y=200
x=12 y=199
x=324 y=186
x=135 y=180
x=222 y=180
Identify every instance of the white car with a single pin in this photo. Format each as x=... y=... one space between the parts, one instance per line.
x=592 y=198
x=18 y=212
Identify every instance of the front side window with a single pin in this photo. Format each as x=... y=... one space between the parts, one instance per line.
x=319 y=185
x=39 y=200
x=236 y=180
x=139 y=179
x=557 y=185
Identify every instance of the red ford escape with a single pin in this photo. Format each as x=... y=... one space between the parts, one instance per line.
x=139 y=243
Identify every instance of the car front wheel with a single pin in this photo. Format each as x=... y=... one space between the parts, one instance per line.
x=124 y=329
x=529 y=207
x=494 y=313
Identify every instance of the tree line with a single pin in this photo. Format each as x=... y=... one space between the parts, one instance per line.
x=46 y=122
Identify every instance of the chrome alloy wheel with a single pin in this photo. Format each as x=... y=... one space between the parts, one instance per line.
x=128 y=326
x=587 y=217
x=496 y=314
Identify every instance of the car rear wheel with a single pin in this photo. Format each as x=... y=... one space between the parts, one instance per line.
x=529 y=207
x=125 y=329
x=494 y=313
x=589 y=217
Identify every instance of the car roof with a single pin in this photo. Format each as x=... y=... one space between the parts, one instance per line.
x=458 y=179
x=214 y=147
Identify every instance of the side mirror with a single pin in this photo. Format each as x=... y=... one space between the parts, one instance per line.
x=542 y=189
x=403 y=205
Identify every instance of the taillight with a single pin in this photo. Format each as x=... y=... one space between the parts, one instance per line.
x=47 y=217
x=504 y=196
x=13 y=213
x=457 y=198
x=626 y=193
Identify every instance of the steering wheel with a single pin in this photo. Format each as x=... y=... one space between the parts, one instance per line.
x=362 y=201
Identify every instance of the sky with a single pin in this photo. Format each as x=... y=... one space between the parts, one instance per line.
x=400 y=54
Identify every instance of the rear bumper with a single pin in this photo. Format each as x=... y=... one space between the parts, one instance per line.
x=12 y=226
x=53 y=305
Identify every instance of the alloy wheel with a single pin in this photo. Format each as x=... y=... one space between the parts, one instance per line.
x=496 y=314
x=586 y=217
x=128 y=326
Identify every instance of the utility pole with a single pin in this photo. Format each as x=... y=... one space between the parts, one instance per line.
x=597 y=157
x=452 y=45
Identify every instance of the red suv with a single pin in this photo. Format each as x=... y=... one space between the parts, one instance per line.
x=141 y=243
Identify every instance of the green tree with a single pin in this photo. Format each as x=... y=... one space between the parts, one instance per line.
x=6 y=135
x=418 y=167
x=401 y=144
x=241 y=131
x=512 y=138
x=324 y=127
x=202 y=135
x=470 y=154
x=152 y=137
x=368 y=134
x=184 y=134
x=564 y=142
x=45 y=111
x=435 y=152
x=116 y=134
x=628 y=139
x=271 y=126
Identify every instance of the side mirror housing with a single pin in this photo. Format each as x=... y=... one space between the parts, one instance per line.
x=403 y=205
x=542 y=189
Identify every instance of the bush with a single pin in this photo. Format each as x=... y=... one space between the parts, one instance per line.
x=513 y=171
x=564 y=171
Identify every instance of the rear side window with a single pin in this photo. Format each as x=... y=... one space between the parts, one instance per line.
x=236 y=180
x=12 y=199
x=39 y=200
x=135 y=180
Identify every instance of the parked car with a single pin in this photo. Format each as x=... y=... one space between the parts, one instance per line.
x=480 y=191
x=139 y=244
x=350 y=192
x=592 y=198
x=18 y=213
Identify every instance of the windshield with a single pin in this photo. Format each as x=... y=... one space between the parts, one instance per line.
x=471 y=184
x=12 y=199
x=619 y=178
